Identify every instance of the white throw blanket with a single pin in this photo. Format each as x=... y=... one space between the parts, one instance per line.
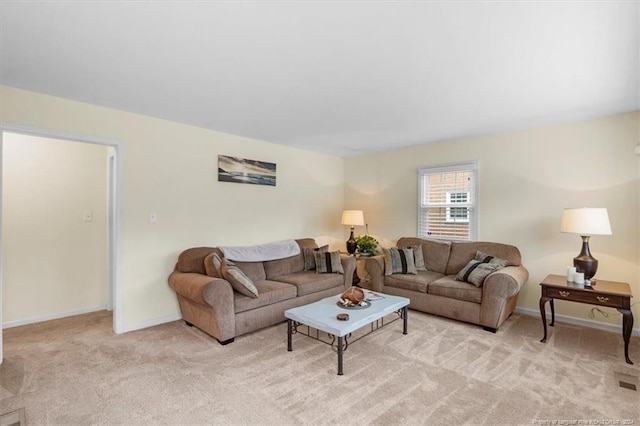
x=260 y=253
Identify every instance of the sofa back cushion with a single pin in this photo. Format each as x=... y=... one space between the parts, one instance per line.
x=435 y=252
x=288 y=265
x=464 y=251
x=192 y=260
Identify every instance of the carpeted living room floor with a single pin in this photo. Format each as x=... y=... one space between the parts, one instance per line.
x=75 y=371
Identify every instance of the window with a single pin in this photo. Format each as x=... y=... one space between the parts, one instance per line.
x=448 y=200
x=457 y=214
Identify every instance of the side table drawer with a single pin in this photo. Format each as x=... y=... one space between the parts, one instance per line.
x=586 y=297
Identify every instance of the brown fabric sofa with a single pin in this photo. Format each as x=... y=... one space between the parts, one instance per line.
x=436 y=290
x=212 y=305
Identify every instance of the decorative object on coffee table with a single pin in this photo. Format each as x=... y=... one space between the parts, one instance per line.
x=586 y=221
x=353 y=298
x=352 y=218
x=354 y=295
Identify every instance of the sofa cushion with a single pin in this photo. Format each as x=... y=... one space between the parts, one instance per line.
x=254 y=270
x=309 y=258
x=269 y=292
x=418 y=282
x=475 y=272
x=448 y=287
x=399 y=261
x=487 y=258
x=309 y=282
x=213 y=265
x=435 y=252
x=238 y=280
x=328 y=262
x=289 y=265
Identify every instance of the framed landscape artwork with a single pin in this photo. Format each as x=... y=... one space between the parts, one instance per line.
x=242 y=170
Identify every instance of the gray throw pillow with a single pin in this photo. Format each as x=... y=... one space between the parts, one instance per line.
x=418 y=258
x=399 y=261
x=238 y=279
x=328 y=262
x=309 y=259
x=475 y=272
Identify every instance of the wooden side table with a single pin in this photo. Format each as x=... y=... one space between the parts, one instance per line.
x=603 y=293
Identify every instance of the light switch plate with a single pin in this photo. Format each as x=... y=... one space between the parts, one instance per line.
x=87 y=216
x=153 y=217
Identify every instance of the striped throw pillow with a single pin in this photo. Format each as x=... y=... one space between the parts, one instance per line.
x=328 y=262
x=309 y=259
x=399 y=261
x=475 y=272
x=487 y=258
x=238 y=279
x=418 y=258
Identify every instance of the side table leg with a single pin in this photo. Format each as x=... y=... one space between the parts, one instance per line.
x=405 y=319
x=289 y=332
x=627 y=326
x=340 y=350
x=553 y=313
x=543 y=314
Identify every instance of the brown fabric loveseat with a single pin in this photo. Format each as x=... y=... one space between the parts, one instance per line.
x=436 y=290
x=212 y=305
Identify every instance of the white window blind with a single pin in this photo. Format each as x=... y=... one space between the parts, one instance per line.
x=447 y=202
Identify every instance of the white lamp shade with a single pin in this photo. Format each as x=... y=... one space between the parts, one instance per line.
x=353 y=218
x=586 y=221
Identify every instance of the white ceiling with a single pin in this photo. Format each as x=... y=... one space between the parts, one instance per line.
x=343 y=78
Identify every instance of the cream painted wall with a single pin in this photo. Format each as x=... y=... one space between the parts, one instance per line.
x=54 y=262
x=171 y=169
x=526 y=179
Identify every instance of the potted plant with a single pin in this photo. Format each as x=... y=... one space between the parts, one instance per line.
x=367 y=245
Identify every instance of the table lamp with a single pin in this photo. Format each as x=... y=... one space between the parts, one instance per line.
x=586 y=221
x=352 y=218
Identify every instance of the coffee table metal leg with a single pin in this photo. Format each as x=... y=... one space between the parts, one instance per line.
x=340 y=351
x=405 y=319
x=289 y=332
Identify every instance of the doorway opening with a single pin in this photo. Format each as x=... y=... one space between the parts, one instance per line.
x=113 y=215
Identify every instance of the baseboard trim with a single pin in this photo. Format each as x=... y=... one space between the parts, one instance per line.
x=151 y=322
x=34 y=320
x=578 y=321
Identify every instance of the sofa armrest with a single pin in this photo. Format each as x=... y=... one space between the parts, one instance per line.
x=375 y=267
x=206 y=302
x=202 y=289
x=498 y=290
x=506 y=282
x=349 y=266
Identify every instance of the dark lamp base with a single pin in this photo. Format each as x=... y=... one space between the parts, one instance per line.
x=584 y=262
x=351 y=243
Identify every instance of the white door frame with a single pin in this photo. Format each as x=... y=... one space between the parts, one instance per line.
x=114 y=213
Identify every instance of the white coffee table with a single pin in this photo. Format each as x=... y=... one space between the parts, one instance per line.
x=321 y=315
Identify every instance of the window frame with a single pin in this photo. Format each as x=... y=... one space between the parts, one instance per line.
x=473 y=197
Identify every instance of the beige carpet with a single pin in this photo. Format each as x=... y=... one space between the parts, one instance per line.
x=75 y=371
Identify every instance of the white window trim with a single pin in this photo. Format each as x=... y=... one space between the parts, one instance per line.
x=474 y=201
